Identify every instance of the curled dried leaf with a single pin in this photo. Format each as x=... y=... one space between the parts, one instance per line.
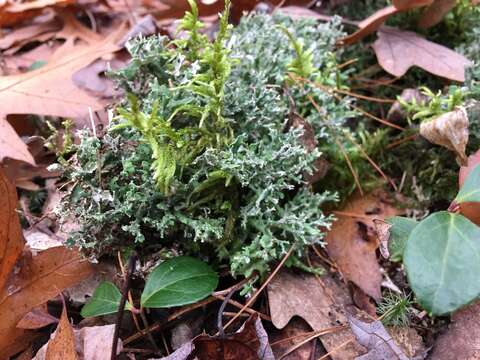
x=449 y=130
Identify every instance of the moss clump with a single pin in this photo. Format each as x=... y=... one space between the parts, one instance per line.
x=201 y=159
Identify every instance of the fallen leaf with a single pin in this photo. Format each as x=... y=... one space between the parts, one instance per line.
x=16 y=11
x=250 y=342
x=11 y=145
x=435 y=13
x=449 y=130
x=369 y=25
x=376 y=339
x=375 y=21
x=37 y=318
x=398 y=50
x=49 y=90
x=62 y=345
x=461 y=340
x=91 y=343
x=39 y=279
x=352 y=242
x=320 y=303
x=409 y=341
x=11 y=238
x=27 y=33
x=284 y=339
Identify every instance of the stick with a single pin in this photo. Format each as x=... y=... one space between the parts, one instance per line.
x=123 y=300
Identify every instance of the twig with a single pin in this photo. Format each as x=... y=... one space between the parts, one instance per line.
x=149 y=334
x=258 y=292
x=220 y=313
x=123 y=300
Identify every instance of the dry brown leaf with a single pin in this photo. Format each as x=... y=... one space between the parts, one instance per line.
x=449 y=130
x=376 y=339
x=352 y=241
x=37 y=318
x=375 y=21
x=27 y=33
x=16 y=11
x=62 y=345
x=397 y=51
x=49 y=90
x=11 y=146
x=435 y=13
x=320 y=303
x=282 y=340
x=462 y=338
x=369 y=25
x=39 y=279
x=11 y=238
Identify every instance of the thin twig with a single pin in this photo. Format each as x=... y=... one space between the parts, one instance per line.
x=248 y=310
x=149 y=334
x=123 y=300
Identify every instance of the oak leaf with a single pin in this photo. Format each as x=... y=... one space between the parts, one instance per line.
x=11 y=145
x=14 y=12
x=62 y=346
x=376 y=20
x=397 y=51
x=352 y=241
x=11 y=238
x=49 y=90
x=40 y=278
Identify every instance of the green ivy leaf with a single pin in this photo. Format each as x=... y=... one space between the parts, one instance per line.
x=442 y=260
x=399 y=233
x=179 y=281
x=470 y=191
x=105 y=300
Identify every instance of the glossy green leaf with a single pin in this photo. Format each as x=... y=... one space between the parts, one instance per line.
x=105 y=300
x=179 y=281
x=470 y=191
x=399 y=233
x=442 y=260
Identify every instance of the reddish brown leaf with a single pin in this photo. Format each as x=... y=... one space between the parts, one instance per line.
x=352 y=241
x=374 y=21
x=397 y=51
x=369 y=25
x=11 y=146
x=11 y=238
x=62 y=346
x=41 y=277
x=435 y=13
